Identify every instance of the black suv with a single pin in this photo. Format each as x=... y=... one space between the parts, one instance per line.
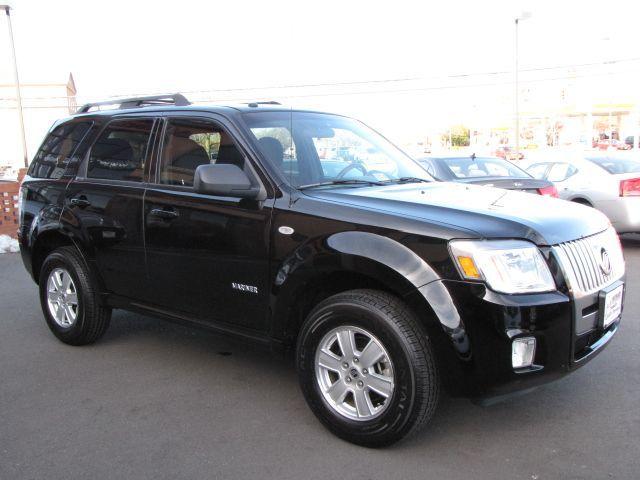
x=310 y=232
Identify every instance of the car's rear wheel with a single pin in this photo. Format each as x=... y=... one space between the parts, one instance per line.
x=366 y=368
x=70 y=300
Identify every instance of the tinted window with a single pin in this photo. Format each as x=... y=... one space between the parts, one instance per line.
x=58 y=150
x=121 y=150
x=617 y=165
x=560 y=172
x=189 y=143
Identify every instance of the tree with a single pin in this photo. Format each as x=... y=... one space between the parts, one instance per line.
x=460 y=136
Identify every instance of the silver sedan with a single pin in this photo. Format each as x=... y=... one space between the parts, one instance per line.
x=609 y=183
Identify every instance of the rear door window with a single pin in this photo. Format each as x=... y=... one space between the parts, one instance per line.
x=560 y=172
x=121 y=150
x=538 y=171
x=59 y=150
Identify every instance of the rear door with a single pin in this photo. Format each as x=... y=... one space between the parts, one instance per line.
x=104 y=203
x=207 y=255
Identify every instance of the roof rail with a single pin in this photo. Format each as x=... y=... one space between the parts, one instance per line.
x=255 y=104
x=176 y=99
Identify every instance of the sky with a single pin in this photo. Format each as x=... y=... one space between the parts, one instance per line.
x=412 y=52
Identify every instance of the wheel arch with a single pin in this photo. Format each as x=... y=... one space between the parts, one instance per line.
x=48 y=241
x=583 y=200
x=355 y=260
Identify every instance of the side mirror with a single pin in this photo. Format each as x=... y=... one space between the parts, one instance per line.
x=225 y=180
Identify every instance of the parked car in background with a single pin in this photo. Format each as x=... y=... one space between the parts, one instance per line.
x=508 y=153
x=606 y=144
x=488 y=171
x=610 y=184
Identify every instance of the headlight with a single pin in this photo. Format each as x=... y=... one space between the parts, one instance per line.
x=508 y=266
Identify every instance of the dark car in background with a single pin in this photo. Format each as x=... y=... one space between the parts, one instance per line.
x=488 y=171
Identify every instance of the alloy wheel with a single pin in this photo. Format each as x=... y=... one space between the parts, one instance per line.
x=354 y=373
x=62 y=297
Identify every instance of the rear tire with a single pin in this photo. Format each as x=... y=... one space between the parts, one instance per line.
x=334 y=379
x=69 y=299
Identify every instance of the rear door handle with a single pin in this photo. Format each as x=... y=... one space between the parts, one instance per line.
x=81 y=202
x=164 y=214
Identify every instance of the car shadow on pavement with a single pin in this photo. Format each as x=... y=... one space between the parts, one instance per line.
x=214 y=354
x=630 y=240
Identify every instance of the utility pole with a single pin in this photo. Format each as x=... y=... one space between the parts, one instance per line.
x=7 y=9
x=523 y=16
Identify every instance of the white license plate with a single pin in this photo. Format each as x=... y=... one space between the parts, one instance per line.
x=612 y=305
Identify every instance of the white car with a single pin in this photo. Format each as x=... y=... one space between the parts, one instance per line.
x=609 y=183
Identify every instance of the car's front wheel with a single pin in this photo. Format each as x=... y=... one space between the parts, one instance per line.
x=366 y=367
x=69 y=299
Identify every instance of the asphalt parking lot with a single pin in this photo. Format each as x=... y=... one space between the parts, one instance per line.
x=156 y=400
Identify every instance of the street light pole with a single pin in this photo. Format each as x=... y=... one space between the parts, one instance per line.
x=7 y=9
x=523 y=16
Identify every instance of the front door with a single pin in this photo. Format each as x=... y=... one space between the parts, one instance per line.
x=207 y=256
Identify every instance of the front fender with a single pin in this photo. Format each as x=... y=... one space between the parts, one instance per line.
x=378 y=257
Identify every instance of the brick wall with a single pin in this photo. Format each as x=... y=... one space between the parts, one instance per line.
x=9 y=217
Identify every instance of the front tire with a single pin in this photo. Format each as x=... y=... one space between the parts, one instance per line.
x=366 y=368
x=69 y=299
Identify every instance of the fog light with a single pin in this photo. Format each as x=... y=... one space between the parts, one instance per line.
x=522 y=352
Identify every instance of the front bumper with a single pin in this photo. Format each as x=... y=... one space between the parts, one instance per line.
x=568 y=334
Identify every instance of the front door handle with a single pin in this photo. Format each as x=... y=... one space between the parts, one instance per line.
x=164 y=214
x=81 y=202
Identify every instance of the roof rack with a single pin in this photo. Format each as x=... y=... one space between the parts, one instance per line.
x=255 y=104
x=176 y=99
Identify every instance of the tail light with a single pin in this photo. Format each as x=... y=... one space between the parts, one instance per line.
x=630 y=187
x=549 y=191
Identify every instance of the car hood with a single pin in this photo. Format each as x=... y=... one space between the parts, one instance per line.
x=490 y=212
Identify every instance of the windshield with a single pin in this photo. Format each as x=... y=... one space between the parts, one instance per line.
x=617 y=165
x=315 y=149
x=476 y=167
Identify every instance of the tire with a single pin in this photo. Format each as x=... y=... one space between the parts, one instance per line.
x=79 y=323
x=413 y=396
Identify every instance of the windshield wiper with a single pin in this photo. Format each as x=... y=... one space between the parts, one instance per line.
x=340 y=182
x=407 y=180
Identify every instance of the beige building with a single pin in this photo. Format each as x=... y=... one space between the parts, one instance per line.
x=43 y=103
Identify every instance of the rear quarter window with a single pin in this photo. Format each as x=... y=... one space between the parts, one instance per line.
x=59 y=150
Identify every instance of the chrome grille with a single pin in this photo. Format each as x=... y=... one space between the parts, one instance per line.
x=585 y=265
